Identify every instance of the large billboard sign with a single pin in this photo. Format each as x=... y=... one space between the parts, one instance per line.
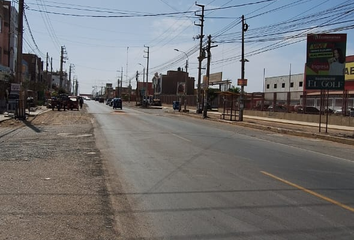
x=325 y=64
x=157 y=83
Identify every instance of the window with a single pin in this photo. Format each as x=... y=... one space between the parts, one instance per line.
x=283 y=85
x=300 y=84
x=267 y=86
x=292 y=84
x=275 y=85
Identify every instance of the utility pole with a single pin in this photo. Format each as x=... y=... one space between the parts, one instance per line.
x=70 y=78
x=201 y=55
x=121 y=83
x=243 y=81
x=19 y=41
x=126 y=75
x=136 y=89
x=76 y=86
x=206 y=85
x=147 y=68
x=46 y=70
x=62 y=61
x=51 y=73
x=21 y=105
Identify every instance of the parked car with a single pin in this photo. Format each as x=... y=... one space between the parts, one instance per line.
x=73 y=103
x=108 y=101
x=101 y=100
x=277 y=108
x=308 y=110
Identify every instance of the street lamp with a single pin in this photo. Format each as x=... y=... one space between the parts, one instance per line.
x=185 y=80
x=186 y=57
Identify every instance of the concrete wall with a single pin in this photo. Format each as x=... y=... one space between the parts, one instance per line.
x=332 y=119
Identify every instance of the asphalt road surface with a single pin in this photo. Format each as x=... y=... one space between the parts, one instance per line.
x=188 y=178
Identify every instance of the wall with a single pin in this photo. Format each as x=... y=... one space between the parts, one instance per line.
x=332 y=119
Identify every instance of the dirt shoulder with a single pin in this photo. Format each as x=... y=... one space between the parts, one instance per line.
x=53 y=183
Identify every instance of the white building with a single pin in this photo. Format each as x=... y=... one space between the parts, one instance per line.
x=283 y=87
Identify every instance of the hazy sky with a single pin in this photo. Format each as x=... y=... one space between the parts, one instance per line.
x=103 y=37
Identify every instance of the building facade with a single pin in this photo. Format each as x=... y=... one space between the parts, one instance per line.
x=172 y=79
x=284 y=88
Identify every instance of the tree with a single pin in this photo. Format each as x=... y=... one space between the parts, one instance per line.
x=234 y=89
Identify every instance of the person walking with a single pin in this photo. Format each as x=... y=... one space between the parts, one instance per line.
x=81 y=102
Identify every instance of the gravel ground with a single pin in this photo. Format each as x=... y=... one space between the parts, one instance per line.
x=52 y=180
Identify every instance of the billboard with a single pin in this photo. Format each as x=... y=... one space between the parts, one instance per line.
x=325 y=62
x=349 y=71
x=181 y=87
x=157 y=83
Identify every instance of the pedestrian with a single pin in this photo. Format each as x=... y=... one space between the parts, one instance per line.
x=81 y=101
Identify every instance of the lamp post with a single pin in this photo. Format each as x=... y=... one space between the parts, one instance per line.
x=185 y=80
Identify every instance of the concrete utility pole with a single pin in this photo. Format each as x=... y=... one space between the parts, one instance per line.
x=21 y=106
x=201 y=56
x=51 y=73
x=243 y=60
x=126 y=75
x=62 y=61
x=121 y=83
x=19 y=41
x=46 y=69
x=70 y=78
x=205 y=112
x=147 y=68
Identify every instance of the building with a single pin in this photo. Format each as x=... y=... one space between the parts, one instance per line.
x=34 y=83
x=172 y=80
x=282 y=88
x=8 y=49
x=291 y=90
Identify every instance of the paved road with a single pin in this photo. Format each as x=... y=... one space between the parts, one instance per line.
x=192 y=179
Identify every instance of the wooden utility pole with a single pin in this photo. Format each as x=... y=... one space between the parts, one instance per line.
x=201 y=56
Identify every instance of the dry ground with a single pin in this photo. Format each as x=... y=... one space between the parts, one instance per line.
x=52 y=180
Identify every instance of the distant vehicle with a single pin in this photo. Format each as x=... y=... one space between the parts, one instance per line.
x=277 y=108
x=108 y=101
x=308 y=110
x=73 y=102
x=117 y=103
x=349 y=112
x=59 y=102
x=150 y=100
x=101 y=100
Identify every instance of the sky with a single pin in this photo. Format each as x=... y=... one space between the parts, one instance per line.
x=109 y=39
